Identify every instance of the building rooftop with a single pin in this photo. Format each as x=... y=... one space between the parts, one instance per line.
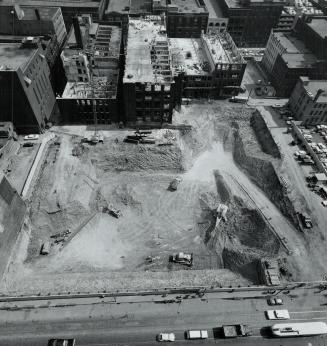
x=291 y=43
x=249 y=3
x=299 y=60
x=129 y=6
x=188 y=55
x=319 y=25
x=53 y=3
x=12 y=56
x=147 y=58
x=190 y=6
x=45 y=13
x=214 y=9
x=316 y=88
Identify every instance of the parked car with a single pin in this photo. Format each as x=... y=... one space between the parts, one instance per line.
x=169 y=337
x=61 y=342
x=182 y=258
x=324 y=203
x=28 y=144
x=31 y=137
x=277 y=314
x=275 y=301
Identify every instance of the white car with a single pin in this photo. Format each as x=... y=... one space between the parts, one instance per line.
x=277 y=314
x=197 y=334
x=169 y=337
x=324 y=203
x=31 y=137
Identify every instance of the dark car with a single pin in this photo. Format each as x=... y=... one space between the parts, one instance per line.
x=28 y=144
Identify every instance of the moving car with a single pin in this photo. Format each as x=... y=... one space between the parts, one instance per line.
x=196 y=334
x=169 y=337
x=61 y=342
x=275 y=301
x=31 y=137
x=277 y=314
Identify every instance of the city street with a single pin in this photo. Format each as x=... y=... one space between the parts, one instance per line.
x=136 y=320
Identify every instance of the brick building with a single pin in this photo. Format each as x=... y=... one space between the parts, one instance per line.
x=148 y=85
x=26 y=95
x=250 y=21
x=186 y=18
x=91 y=60
x=308 y=101
x=208 y=67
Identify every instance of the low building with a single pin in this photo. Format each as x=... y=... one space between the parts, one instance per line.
x=27 y=99
x=186 y=18
x=91 y=59
x=308 y=101
x=32 y=21
x=148 y=85
x=217 y=22
x=208 y=67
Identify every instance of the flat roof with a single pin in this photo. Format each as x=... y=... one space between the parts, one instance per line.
x=45 y=13
x=291 y=43
x=247 y=4
x=319 y=25
x=189 y=56
x=53 y=3
x=299 y=60
x=313 y=86
x=143 y=36
x=129 y=6
x=214 y=9
x=190 y=6
x=12 y=56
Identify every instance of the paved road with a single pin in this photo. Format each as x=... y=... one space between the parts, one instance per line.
x=137 y=320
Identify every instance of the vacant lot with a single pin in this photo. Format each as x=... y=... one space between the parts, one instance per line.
x=103 y=252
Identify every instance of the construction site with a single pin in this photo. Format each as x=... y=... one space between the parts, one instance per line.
x=201 y=202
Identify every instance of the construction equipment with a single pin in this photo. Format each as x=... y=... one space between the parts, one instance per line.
x=45 y=248
x=174 y=184
x=235 y=330
x=61 y=234
x=182 y=258
x=112 y=211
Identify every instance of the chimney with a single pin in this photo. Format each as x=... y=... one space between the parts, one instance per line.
x=37 y=13
x=78 y=34
x=319 y=92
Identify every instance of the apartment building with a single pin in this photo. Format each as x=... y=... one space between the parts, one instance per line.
x=308 y=101
x=26 y=95
x=92 y=62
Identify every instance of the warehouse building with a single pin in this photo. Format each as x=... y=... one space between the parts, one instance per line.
x=27 y=98
x=308 y=101
x=91 y=60
x=148 y=84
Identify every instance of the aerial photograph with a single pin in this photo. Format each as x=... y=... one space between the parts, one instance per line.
x=163 y=172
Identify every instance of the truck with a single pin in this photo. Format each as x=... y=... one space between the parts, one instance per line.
x=182 y=258
x=174 y=184
x=306 y=220
x=235 y=330
x=197 y=334
x=282 y=330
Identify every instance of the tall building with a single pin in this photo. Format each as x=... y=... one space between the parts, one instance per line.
x=91 y=59
x=186 y=18
x=27 y=98
x=32 y=21
x=300 y=53
x=308 y=101
x=217 y=22
x=148 y=85
x=208 y=67
x=250 y=21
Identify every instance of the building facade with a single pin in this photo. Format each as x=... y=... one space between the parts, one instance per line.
x=91 y=59
x=26 y=95
x=308 y=101
x=250 y=21
x=148 y=85
x=217 y=22
x=186 y=18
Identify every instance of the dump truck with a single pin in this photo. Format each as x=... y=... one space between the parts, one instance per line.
x=182 y=258
x=45 y=248
x=306 y=220
x=235 y=330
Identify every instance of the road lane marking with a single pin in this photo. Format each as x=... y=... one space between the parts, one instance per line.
x=305 y=312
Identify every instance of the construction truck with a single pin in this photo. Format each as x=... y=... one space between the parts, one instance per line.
x=235 y=330
x=182 y=258
x=174 y=184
